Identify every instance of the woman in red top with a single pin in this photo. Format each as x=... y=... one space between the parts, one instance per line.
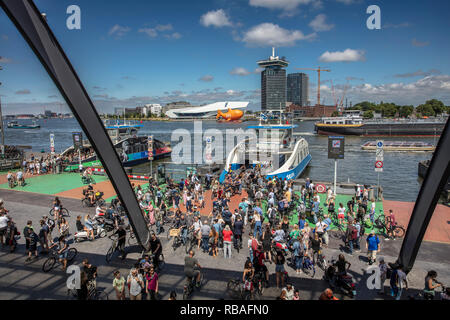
x=227 y=233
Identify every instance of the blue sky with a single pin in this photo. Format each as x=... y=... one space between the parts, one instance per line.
x=133 y=52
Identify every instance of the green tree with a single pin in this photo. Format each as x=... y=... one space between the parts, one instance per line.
x=368 y=114
x=426 y=110
x=389 y=110
x=405 y=111
x=438 y=106
x=335 y=114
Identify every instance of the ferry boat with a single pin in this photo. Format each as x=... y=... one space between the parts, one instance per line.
x=275 y=148
x=409 y=146
x=16 y=125
x=131 y=148
x=356 y=125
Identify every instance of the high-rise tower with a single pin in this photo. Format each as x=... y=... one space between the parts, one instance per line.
x=273 y=82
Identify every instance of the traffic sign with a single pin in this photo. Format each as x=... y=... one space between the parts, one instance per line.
x=380 y=144
x=379 y=166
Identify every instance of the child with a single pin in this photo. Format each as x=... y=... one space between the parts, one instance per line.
x=296 y=295
x=341 y=214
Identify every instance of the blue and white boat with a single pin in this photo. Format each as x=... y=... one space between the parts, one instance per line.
x=131 y=148
x=274 y=148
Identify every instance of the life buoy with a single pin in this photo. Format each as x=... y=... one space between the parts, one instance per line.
x=320 y=188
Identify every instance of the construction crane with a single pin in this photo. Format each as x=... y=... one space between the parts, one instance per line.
x=334 y=94
x=341 y=104
x=319 y=70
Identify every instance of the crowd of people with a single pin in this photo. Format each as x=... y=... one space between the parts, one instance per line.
x=282 y=227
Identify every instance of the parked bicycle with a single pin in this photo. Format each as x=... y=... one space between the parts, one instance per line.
x=391 y=231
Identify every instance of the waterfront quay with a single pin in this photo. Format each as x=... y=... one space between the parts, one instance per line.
x=26 y=280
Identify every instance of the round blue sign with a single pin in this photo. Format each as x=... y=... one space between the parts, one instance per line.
x=380 y=144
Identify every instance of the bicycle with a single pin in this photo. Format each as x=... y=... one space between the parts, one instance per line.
x=161 y=261
x=340 y=232
x=396 y=230
x=53 y=258
x=93 y=292
x=114 y=247
x=191 y=285
x=321 y=261
x=308 y=266
x=236 y=289
x=63 y=212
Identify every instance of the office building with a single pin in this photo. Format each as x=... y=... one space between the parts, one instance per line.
x=273 y=82
x=297 y=88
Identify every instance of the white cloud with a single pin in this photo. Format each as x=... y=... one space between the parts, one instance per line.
x=346 y=1
x=174 y=35
x=417 y=43
x=119 y=31
x=151 y=32
x=418 y=73
x=5 y=60
x=216 y=19
x=164 y=27
x=414 y=93
x=25 y=91
x=269 y=34
x=349 y=55
x=240 y=72
x=279 y=4
x=207 y=78
x=396 y=26
x=319 y=23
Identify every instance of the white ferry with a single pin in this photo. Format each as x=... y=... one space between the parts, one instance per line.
x=276 y=150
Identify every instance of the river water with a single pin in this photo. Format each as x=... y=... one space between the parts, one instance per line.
x=399 y=179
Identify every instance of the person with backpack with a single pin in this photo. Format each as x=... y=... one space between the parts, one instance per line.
x=351 y=236
x=398 y=279
x=372 y=246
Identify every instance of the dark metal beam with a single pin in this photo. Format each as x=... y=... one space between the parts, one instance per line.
x=34 y=29
x=432 y=187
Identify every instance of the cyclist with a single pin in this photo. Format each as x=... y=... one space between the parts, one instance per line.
x=247 y=276
x=390 y=224
x=260 y=267
x=430 y=285
x=190 y=268
x=62 y=247
x=156 y=248
x=122 y=234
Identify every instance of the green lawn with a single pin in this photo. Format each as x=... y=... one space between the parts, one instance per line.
x=53 y=183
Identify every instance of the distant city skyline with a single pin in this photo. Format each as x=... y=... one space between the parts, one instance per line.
x=146 y=52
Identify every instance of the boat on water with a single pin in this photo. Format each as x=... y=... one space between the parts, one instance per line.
x=17 y=125
x=275 y=149
x=131 y=148
x=409 y=146
x=356 y=125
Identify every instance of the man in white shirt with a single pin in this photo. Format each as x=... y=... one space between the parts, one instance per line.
x=3 y=225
